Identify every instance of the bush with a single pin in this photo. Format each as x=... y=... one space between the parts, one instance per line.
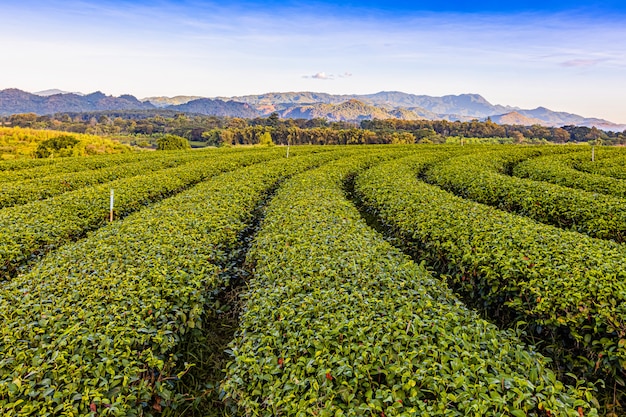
x=172 y=142
x=59 y=146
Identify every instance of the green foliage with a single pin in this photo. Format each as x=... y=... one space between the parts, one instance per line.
x=36 y=227
x=337 y=322
x=94 y=327
x=563 y=287
x=610 y=162
x=22 y=192
x=172 y=143
x=213 y=137
x=61 y=146
x=561 y=170
x=375 y=122
x=266 y=139
x=482 y=178
x=17 y=142
x=28 y=169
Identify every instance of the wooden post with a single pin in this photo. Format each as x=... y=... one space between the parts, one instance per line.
x=111 y=206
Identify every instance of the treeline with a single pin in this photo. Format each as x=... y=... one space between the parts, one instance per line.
x=437 y=129
x=145 y=127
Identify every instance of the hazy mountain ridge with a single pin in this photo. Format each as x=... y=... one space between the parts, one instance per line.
x=306 y=104
x=53 y=91
x=217 y=108
x=464 y=107
x=170 y=101
x=517 y=118
x=13 y=101
x=351 y=110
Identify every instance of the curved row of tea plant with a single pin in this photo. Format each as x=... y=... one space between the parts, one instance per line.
x=92 y=329
x=613 y=164
x=31 y=229
x=18 y=164
x=76 y=164
x=22 y=192
x=481 y=177
x=559 y=169
x=337 y=322
x=564 y=287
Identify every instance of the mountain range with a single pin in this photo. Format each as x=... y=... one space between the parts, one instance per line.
x=13 y=101
x=308 y=105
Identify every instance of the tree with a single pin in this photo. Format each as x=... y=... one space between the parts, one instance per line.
x=398 y=138
x=518 y=137
x=60 y=146
x=212 y=137
x=273 y=120
x=172 y=142
x=23 y=119
x=560 y=135
x=425 y=133
x=593 y=135
x=266 y=139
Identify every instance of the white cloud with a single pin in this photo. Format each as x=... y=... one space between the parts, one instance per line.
x=324 y=76
x=211 y=49
x=320 y=76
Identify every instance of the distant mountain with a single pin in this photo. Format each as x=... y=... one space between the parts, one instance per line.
x=14 y=101
x=473 y=105
x=305 y=97
x=304 y=104
x=516 y=118
x=217 y=108
x=351 y=110
x=552 y=118
x=464 y=105
x=47 y=93
x=163 y=101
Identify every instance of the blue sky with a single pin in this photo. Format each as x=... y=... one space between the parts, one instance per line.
x=567 y=56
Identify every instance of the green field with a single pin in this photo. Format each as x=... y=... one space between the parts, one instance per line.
x=372 y=280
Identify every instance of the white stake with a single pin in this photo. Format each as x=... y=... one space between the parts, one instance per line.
x=111 y=206
x=593 y=153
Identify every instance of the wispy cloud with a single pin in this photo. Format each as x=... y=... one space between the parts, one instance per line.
x=581 y=63
x=324 y=76
x=236 y=48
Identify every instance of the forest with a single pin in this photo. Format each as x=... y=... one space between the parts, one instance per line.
x=143 y=128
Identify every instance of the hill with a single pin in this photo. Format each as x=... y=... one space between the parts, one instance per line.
x=217 y=108
x=304 y=104
x=516 y=118
x=53 y=91
x=162 y=101
x=553 y=118
x=18 y=142
x=351 y=110
x=473 y=105
x=13 y=101
x=463 y=107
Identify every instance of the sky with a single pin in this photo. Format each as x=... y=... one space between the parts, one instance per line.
x=564 y=55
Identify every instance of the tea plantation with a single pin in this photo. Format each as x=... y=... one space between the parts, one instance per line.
x=411 y=280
